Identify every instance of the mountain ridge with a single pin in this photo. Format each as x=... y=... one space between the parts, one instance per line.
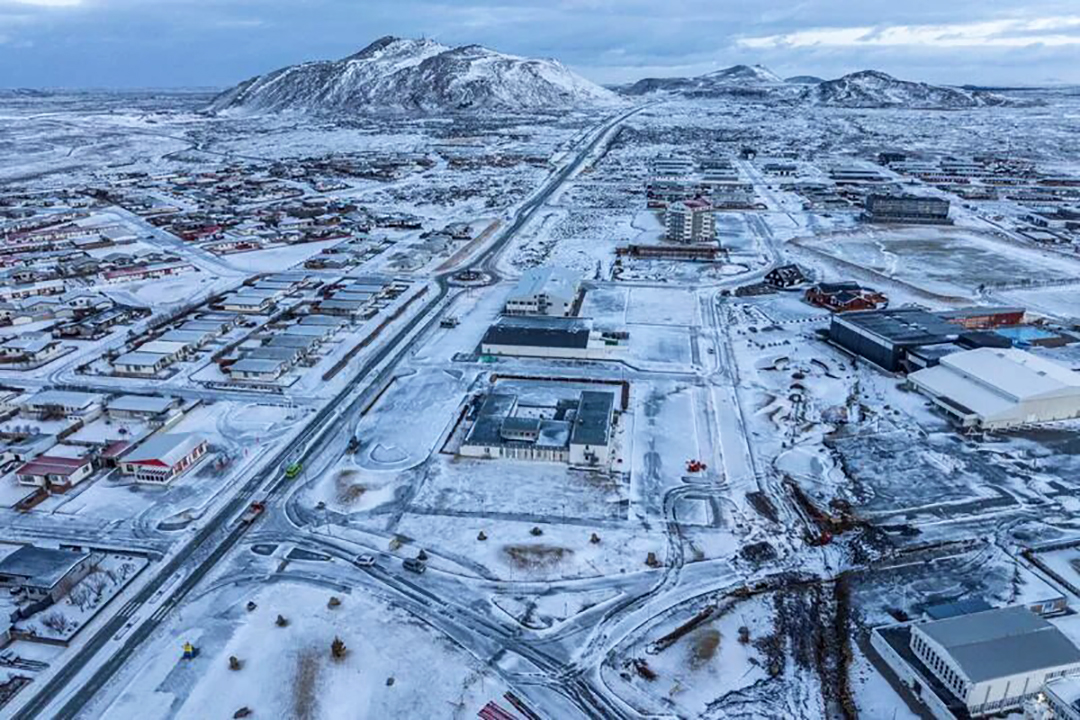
x=409 y=75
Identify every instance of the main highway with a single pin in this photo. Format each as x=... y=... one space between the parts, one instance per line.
x=220 y=534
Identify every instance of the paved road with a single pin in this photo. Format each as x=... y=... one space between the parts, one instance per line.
x=221 y=533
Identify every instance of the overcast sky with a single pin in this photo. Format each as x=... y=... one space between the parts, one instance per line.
x=163 y=43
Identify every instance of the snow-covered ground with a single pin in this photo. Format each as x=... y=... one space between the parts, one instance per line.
x=744 y=438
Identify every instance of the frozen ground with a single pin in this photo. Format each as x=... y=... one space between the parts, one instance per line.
x=946 y=261
x=391 y=665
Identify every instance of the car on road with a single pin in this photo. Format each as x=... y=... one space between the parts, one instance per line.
x=414 y=565
x=254 y=510
x=364 y=560
x=293 y=470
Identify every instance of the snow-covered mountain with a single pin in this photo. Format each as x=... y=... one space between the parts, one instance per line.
x=874 y=89
x=804 y=80
x=395 y=74
x=743 y=74
x=733 y=80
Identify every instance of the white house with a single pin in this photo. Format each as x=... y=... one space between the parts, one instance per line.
x=72 y=404
x=142 y=364
x=591 y=431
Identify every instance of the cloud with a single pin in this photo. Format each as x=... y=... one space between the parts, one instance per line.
x=47 y=3
x=1009 y=33
x=219 y=42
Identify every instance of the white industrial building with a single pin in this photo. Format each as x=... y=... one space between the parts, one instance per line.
x=690 y=221
x=996 y=388
x=546 y=291
x=994 y=660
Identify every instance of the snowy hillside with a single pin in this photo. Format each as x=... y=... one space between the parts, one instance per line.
x=730 y=80
x=394 y=74
x=871 y=88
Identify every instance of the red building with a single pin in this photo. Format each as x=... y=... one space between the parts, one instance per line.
x=845 y=297
x=985 y=318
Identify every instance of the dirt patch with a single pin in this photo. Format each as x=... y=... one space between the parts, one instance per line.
x=305 y=685
x=763 y=505
x=536 y=557
x=704 y=645
x=347 y=490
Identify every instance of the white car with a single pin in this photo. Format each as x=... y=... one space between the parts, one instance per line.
x=364 y=560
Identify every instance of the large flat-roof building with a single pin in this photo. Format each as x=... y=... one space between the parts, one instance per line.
x=905 y=338
x=556 y=338
x=995 y=659
x=993 y=388
x=546 y=291
x=577 y=432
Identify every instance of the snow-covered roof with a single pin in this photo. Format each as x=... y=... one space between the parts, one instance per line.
x=42 y=567
x=258 y=365
x=165 y=450
x=63 y=398
x=163 y=347
x=141 y=403
x=139 y=359
x=1014 y=373
x=550 y=281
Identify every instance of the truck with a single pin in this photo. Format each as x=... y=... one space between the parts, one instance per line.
x=293 y=470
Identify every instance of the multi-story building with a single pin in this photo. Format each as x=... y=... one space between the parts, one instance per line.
x=548 y=291
x=907 y=209
x=690 y=221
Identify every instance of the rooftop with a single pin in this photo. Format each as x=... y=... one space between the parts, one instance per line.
x=547 y=281
x=166 y=450
x=1014 y=373
x=141 y=403
x=52 y=465
x=902 y=326
x=539 y=332
x=139 y=359
x=64 y=398
x=44 y=567
x=1001 y=642
x=592 y=422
